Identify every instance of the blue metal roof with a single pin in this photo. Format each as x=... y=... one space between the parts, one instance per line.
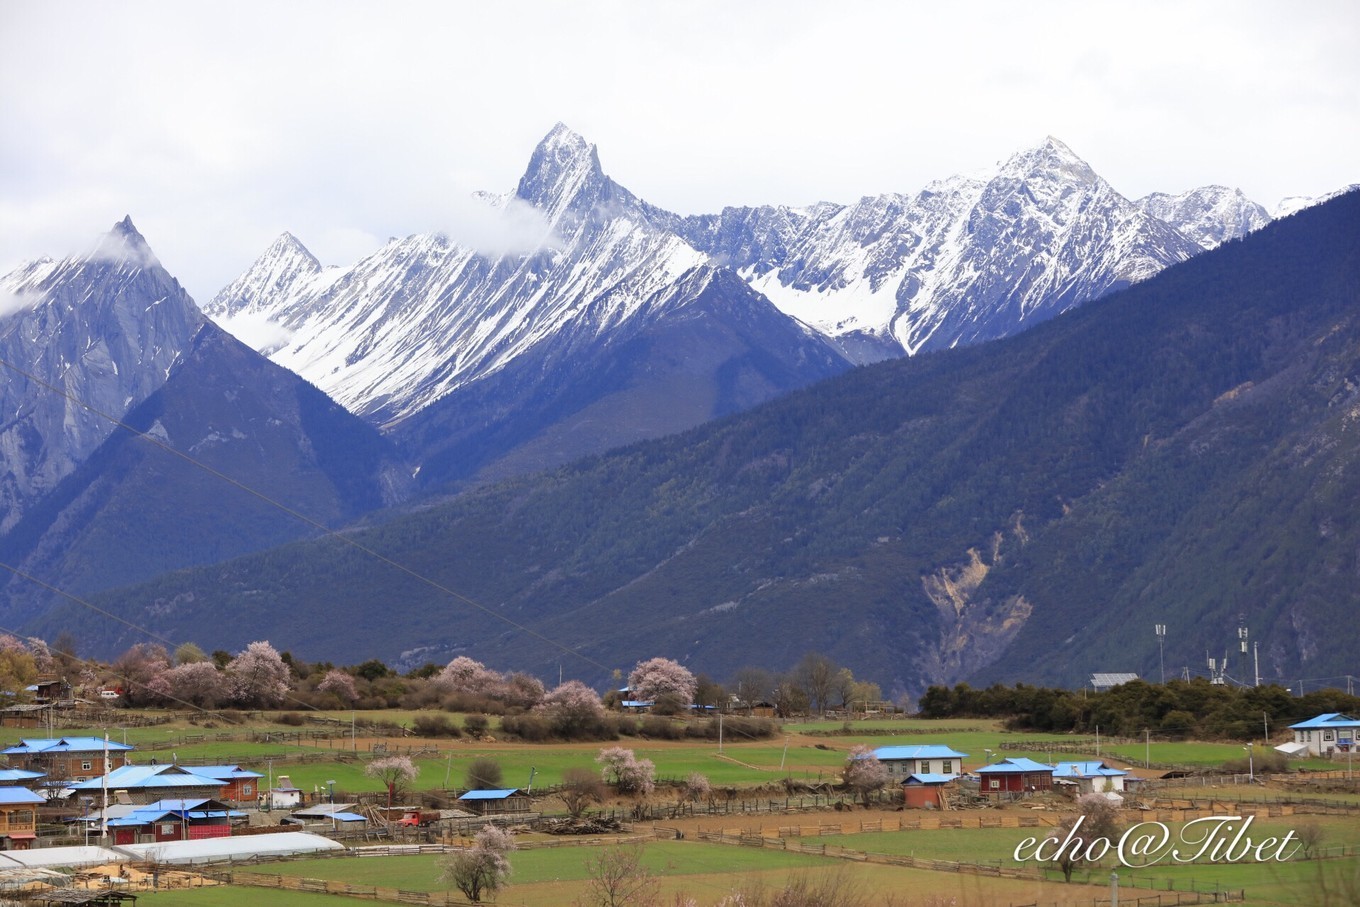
x=930 y=778
x=64 y=745
x=11 y=775
x=1015 y=765
x=17 y=796
x=147 y=776
x=223 y=772
x=1086 y=770
x=889 y=753
x=489 y=794
x=1326 y=720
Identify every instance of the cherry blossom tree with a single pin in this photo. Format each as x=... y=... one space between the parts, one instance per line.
x=864 y=773
x=137 y=667
x=197 y=683
x=698 y=787
x=395 y=772
x=483 y=868
x=258 y=676
x=658 y=677
x=523 y=690
x=629 y=774
x=572 y=708
x=464 y=675
x=340 y=683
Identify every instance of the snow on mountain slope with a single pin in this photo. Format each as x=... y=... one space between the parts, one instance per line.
x=967 y=259
x=1210 y=215
x=422 y=316
x=1296 y=203
x=104 y=328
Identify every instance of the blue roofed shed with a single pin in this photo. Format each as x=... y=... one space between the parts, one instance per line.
x=500 y=802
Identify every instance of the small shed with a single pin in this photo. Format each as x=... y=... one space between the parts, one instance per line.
x=926 y=790
x=283 y=795
x=506 y=802
x=334 y=815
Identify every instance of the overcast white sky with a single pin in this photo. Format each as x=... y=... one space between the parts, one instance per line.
x=218 y=126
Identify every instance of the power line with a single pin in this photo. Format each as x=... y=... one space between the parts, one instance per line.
x=301 y=517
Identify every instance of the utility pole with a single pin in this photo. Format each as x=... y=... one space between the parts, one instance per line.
x=1256 y=661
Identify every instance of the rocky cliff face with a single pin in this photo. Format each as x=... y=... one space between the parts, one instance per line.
x=96 y=332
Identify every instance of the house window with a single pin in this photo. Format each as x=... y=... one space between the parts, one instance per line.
x=86 y=766
x=946 y=767
x=245 y=790
x=167 y=828
x=994 y=783
x=1326 y=735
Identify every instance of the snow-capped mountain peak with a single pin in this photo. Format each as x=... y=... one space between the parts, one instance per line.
x=106 y=327
x=124 y=245
x=564 y=175
x=1210 y=215
x=1050 y=159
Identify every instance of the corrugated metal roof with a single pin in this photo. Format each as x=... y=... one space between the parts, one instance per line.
x=17 y=796
x=131 y=777
x=890 y=753
x=223 y=772
x=1015 y=765
x=1086 y=770
x=489 y=794
x=929 y=778
x=64 y=745
x=1326 y=720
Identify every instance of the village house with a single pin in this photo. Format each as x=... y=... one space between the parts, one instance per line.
x=1090 y=777
x=1016 y=775
x=168 y=820
x=902 y=761
x=67 y=758
x=238 y=784
x=18 y=817
x=1331 y=732
x=145 y=784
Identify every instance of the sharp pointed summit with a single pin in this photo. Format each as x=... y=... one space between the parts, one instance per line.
x=124 y=245
x=564 y=174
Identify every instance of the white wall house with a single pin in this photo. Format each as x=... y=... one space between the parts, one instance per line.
x=1328 y=733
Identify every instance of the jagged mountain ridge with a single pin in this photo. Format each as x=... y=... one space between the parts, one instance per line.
x=967 y=259
x=465 y=356
x=922 y=520
x=106 y=328
x=1210 y=215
